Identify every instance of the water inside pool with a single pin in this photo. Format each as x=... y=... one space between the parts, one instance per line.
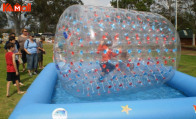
x=163 y=92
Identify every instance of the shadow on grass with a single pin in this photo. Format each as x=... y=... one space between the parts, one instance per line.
x=22 y=88
x=26 y=79
x=13 y=93
x=25 y=87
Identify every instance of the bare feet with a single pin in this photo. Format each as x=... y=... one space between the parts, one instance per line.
x=21 y=92
x=23 y=70
x=41 y=67
x=21 y=84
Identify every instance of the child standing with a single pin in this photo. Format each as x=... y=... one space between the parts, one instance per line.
x=12 y=71
x=41 y=51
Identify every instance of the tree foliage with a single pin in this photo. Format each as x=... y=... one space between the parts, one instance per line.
x=190 y=14
x=47 y=12
x=140 y=5
x=3 y=19
x=19 y=19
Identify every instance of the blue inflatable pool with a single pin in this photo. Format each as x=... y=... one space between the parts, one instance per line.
x=36 y=103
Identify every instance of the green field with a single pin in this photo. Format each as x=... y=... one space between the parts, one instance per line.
x=187 y=65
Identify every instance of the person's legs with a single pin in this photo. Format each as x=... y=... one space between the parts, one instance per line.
x=109 y=67
x=39 y=65
x=24 y=59
x=17 y=65
x=18 y=77
x=23 y=65
x=29 y=63
x=9 y=80
x=17 y=85
x=39 y=60
x=42 y=61
x=42 y=64
x=18 y=88
x=106 y=68
x=103 y=71
x=35 y=61
x=8 y=88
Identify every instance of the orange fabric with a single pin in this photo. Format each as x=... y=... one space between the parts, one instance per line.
x=108 y=55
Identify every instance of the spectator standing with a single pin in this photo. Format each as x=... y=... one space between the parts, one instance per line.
x=41 y=51
x=21 y=39
x=30 y=47
x=16 y=42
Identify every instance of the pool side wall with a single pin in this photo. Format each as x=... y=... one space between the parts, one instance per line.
x=184 y=83
x=35 y=104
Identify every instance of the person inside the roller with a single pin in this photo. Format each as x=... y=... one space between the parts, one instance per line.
x=107 y=54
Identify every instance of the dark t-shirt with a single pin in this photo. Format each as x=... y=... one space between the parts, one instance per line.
x=40 y=44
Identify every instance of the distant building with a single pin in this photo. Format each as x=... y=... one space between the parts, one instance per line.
x=186 y=36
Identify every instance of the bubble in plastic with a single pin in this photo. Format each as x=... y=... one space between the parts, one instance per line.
x=102 y=51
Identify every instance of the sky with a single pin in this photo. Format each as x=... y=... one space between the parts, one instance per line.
x=97 y=2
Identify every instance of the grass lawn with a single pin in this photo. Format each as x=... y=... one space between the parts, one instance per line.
x=188 y=62
x=187 y=65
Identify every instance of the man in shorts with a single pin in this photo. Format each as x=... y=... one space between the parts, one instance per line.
x=21 y=39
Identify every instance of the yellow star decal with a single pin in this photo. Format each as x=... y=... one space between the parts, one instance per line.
x=126 y=109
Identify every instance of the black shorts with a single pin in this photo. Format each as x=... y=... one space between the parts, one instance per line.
x=107 y=68
x=11 y=76
x=24 y=57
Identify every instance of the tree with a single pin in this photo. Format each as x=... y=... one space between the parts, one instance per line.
x=47 y=12
x=140 y=5
x=20 y=19
x=190 y=13
x=167 y=8
x=186 y=12
x=3 y=19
